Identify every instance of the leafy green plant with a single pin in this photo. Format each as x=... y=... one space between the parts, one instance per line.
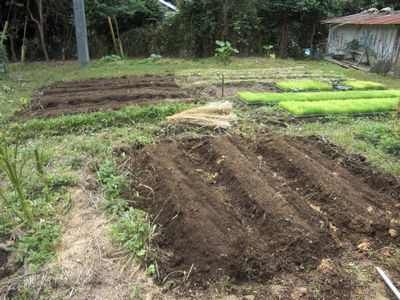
x=110 y=58
x=38 y=244
x=41 y=160
x=364 y=85
x=12 y=164
x=304 y=85
x=55 y=181
x=225 y=51
x=268 y=49
x=135 y=232
x=312 y=96
x=337 y=107
x=383 y=136
x=108 y=176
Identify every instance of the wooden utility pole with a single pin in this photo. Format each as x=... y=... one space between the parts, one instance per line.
x=81 y=33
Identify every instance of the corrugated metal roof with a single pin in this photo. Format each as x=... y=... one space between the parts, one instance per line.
x=367 y=19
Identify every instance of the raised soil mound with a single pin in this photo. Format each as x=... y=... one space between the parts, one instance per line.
x=252 y=212
x=64 y=98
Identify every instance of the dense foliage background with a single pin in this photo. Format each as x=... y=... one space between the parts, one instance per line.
x=147 y=27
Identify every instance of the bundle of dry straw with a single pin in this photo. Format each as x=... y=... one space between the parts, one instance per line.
x=215 y=115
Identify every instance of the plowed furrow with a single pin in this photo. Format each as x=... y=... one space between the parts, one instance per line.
x=122 y=86
x=345 y=205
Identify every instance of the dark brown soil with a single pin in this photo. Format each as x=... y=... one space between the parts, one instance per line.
x=103 y=94
x=8 y=263
x=255 y=213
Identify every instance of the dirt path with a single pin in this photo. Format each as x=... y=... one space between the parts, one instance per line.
x=91 y=266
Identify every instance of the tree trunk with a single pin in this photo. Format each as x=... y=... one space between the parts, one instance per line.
x=224 y=20
x=313 y=36
x=40 y=26
x=284 y=38
x=43 y=42
x=12 y=48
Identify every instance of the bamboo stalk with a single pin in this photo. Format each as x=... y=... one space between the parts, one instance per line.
x=119 y=38
x=23 y=47
x=113 y=34
x=5 y=30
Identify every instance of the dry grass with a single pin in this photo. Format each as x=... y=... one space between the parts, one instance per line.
x=214 y=115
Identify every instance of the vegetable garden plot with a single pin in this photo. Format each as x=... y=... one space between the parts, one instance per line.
x=102 y=94
x=340 y=107
x=252 y=213
x=207 y=77
x=270 y=98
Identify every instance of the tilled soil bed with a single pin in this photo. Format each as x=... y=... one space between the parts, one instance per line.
x=64 y=98
x=250 y=213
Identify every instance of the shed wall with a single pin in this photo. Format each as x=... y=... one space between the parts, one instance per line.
x=382 y=39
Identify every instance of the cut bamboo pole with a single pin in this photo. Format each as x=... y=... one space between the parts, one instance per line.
x=5 y=30
x=389 y=283
x=113 y=34
x=119 y=38
x=23 y=47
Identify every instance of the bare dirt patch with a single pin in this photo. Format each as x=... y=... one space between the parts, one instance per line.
x=64 y=98
x=277 y=209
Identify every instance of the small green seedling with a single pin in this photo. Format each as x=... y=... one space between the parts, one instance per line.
x=268 y=49
x=224 y=53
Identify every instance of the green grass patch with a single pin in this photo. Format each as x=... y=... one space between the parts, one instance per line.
x=304 y=85
x=340 y=107
x=93 y=121
x=364 y=85
x=314 y=96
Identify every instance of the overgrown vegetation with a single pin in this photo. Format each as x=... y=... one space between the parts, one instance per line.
x=339 y=107
x=312 y=96
x=147 y=27
x=30 y=205
x=92 y=122
x=133 y=229
x=304 y=85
